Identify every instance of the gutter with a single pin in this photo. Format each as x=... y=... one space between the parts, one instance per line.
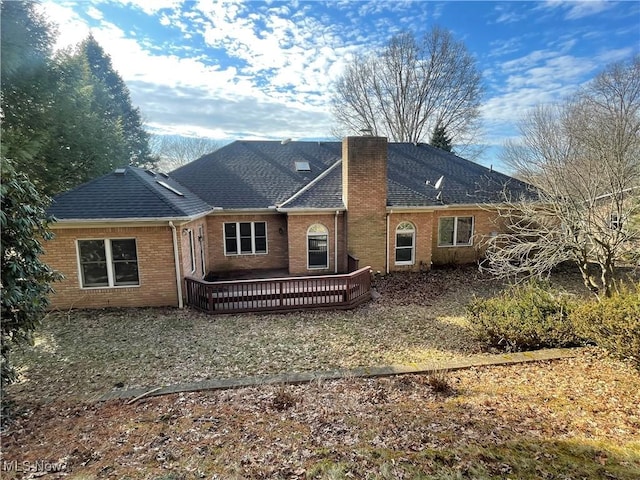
x=176 y=258
x=122 y=222
x=309 y=210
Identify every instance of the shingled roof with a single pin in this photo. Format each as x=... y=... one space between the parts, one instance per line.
x=256 y=174
x=128 y=193
x=250 y=175
x=414 y=169
x=259 y=174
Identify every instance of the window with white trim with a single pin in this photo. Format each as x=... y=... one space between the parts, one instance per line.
x=192 y=251
x=615 y=222
x=108 y=262
x=455 y=231
x=317 y=246
x=203 y=263
x=405 y=244
x=245 y=238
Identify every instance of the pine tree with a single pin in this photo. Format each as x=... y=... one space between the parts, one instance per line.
x=85 y=140
x=440 y=139
x=118 y=99
x=26 y=84
x=67 y=118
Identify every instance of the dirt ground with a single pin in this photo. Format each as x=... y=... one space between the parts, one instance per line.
x=571 y=419
x=567 y=419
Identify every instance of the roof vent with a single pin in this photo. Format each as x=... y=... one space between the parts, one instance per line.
x=170 y=188
x=165 y=175
x=303 y=166
x=150 y=172
x=120 y=171
x=285 y=141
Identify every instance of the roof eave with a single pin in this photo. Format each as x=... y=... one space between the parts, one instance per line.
x=310 y=210
x=132 y=221
x=451 y=206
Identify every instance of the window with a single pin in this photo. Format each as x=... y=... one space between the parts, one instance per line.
x=203 y=264
x=615 y=222
x=108 y=263
x=245 y=238
x=405 y=243
x=317 y=246
x=455 y=231
x=192 y=251
x=303 y=166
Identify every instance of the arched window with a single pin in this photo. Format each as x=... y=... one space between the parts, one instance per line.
x=405 y=244
x=317 y=246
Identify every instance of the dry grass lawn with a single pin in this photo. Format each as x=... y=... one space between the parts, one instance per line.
x=568 y=419
x=80 y=355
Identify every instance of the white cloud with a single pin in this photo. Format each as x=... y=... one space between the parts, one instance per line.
x=577 y=9
x=72 y=29
x=264 y=70
x=151 y=7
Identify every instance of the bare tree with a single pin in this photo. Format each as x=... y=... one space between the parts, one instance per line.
x=583 y=156
x=175 y=151
x=409 y=88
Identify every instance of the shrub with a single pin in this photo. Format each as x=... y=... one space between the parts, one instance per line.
x=524 y=317
x=613 y=323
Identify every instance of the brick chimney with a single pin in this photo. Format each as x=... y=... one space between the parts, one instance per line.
x=364 y=193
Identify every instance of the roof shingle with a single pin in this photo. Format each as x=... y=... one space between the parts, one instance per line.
x=263 y=174
x=133 y=194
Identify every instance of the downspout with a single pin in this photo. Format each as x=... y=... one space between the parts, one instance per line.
x=386 y=260
x=335 y=242
x=176 y=258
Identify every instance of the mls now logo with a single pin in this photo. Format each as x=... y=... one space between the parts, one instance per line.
x=35 y=466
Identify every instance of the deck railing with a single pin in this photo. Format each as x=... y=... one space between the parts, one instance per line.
x=288 y=293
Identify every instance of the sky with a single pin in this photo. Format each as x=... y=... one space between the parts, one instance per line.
x=264 y=69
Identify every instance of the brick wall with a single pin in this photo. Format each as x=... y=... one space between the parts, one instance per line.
x=298 y=225
x=484 y=224
x=423 y=225
x=156 y=269
x=277 y=245
x=364 y=186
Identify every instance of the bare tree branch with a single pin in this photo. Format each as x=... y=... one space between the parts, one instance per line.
x=410 y=87
x=175 y=151
x=583 y=156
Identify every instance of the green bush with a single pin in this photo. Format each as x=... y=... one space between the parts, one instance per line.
x=613 y=323
x=524 y=317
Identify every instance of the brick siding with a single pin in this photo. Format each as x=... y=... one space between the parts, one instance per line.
x=484 y=222
x=277 y=256
x=364 y=187
x=422 y=222
x=298 y=226
x=155 y=268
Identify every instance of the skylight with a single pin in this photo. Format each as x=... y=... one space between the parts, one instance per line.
x=120 y=171
x=169 y=187
x=303 y=167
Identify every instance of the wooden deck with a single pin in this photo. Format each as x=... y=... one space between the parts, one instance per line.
x=284 y=293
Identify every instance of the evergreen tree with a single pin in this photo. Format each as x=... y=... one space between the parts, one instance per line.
x=117 y=102
x=26 y=281
x=68 y=118
x=84 y=141
x=440 y=139
x=26 y=84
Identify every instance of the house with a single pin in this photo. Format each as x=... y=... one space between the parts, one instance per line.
x=131 y=237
